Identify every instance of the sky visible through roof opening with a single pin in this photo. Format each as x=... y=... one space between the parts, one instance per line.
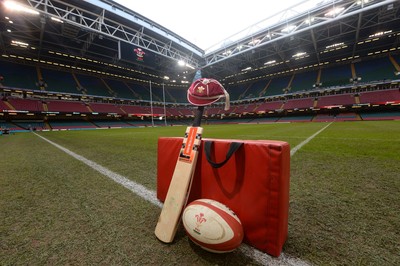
x=208 y=23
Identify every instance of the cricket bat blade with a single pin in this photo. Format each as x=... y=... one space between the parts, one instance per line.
x=179 y=187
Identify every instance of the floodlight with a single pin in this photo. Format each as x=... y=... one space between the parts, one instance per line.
x=380 y=33
x=309 y=20
x=359 y=2
x=57 y=20
x=19 y=43
x=254 y=42
x=13 y=6
x=334 y=11
x=189 y=66
x=270 y=62
x=299 y=54
x=334 y=45
x=289 y=28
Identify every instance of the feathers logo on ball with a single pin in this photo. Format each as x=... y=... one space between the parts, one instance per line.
x=199 y=220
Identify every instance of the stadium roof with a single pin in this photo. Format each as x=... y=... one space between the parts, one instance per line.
x=102 y=37
x=209 y=23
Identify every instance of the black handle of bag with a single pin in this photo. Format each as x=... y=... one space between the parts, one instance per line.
x=232 y=149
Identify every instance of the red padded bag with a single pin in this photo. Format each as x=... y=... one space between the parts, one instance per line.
x=253 y=181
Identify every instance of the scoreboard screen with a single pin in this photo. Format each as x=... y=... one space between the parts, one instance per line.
x=135 y=54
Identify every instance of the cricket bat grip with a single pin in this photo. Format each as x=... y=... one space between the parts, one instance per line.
x=198 y=115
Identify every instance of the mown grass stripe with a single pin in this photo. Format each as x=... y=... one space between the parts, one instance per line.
x=150 y=196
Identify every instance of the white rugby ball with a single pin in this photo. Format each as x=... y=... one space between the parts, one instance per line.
x=212 y=225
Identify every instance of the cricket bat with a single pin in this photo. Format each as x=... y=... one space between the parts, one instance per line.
x=179 y=187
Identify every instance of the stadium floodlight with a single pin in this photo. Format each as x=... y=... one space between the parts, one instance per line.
x=270 y=62
x=288 y=28
x=182 y=64
x=309 y=20
x=299 y=54
x=378 y=34
x=334 y=11
x=13 y=6
x=56 y=20
x=189 y=66
x=19 y=43
x=254 y=42
x=359 y=2
x=335 y=45
x=247 y=68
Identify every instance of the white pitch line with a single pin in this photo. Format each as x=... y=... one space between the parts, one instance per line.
x=149 y=195
x=298 y=147
x=136 y=188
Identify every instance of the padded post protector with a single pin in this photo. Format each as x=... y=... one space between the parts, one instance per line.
x=254 y=183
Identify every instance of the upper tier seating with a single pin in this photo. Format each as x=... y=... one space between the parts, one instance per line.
x=19 y=76
x=235 y=91
x=120 y=88
x=255 y=89
x=177 y=95
x=377 y=69
x=141 y=92
x=59 y=81
x=277 y=86
x=336 y=76
x=303 y=81
x=64 y=81
x=92 y=85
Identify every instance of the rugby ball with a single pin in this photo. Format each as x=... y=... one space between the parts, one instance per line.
x=212 y=225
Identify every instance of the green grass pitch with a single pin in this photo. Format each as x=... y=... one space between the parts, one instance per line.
x=344 y=196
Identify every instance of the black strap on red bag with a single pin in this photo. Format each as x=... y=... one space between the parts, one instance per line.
x=232 y=149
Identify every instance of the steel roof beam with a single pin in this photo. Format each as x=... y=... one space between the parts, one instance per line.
x=274 y=33
x=103 y=25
